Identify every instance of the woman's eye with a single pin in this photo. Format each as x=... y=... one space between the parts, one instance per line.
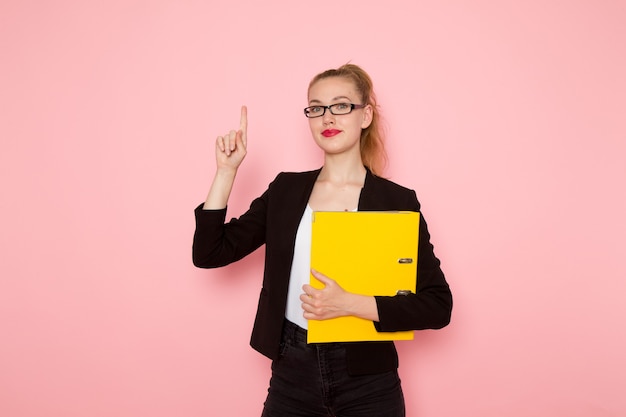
x=342 y=106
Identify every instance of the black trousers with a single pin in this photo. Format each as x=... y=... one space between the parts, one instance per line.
x=311 y=380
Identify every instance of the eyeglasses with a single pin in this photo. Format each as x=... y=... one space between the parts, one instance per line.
x=336 y=109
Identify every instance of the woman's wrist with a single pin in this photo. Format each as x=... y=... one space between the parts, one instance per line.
x=362 y=306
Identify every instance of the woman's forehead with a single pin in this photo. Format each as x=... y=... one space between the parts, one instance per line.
x=333 y=88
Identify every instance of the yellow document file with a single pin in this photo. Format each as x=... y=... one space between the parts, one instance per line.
x=366 y=252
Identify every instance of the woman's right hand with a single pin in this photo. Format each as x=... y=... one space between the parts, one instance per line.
x=230 y=149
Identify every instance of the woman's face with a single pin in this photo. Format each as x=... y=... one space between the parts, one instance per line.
x=338 y=133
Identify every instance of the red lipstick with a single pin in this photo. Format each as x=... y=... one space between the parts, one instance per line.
x=328 y=133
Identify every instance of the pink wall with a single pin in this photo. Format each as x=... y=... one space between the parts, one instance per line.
x=507 y=117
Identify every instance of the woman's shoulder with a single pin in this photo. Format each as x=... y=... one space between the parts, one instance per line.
x=289 y=177
x=383 y=194
x=385 y=183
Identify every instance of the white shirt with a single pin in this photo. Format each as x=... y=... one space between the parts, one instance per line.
x=300 y=270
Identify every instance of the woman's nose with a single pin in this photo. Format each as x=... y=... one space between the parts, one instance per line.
x=328 y=117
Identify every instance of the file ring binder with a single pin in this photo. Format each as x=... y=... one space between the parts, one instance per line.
x=405 y=260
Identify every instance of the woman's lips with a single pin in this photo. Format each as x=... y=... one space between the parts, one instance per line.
x=330 y=132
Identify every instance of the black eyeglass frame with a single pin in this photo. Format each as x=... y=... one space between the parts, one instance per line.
x=330 y=108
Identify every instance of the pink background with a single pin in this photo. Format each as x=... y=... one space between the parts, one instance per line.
x=506 y=117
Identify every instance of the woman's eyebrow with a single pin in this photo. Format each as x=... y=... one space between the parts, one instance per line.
x=334 y=99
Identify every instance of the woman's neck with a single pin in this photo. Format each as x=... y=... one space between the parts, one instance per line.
x=342 y=171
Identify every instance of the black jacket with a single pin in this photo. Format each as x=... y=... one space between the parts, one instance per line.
x=273 y=220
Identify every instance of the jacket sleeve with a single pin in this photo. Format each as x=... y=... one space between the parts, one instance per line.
x=217 y=243
x=430 y=307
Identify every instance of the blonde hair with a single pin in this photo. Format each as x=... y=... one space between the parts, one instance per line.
x=372 y=142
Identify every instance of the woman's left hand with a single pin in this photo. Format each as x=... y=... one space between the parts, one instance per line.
x=324 y=303
x=332 y=301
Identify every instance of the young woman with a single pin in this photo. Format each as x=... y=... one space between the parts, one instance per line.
x=330 y=379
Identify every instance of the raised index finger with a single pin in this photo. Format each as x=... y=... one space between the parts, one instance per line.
x=243 y=125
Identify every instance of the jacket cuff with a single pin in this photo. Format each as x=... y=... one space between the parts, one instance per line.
x=212 y=215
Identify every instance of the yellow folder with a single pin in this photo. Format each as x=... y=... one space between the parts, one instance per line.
x=366 y=252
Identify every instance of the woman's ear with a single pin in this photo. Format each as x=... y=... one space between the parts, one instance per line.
x=368 y=115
